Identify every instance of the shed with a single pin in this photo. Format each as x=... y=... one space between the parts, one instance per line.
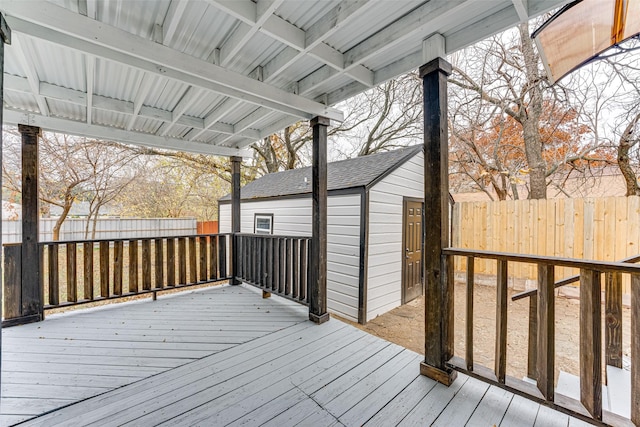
x=374 y=236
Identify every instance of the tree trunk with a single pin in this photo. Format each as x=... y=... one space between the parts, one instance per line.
x=63 y=216
x=627 y=142
x=531 y=119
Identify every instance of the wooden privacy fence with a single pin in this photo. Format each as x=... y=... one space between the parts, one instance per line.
x=603 y=229
x=275 y=264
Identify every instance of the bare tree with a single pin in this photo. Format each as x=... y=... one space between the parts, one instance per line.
x=499 y=92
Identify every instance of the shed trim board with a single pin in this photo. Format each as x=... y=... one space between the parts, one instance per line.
x=387 y=292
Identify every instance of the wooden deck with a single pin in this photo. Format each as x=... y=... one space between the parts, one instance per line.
x=225 y=356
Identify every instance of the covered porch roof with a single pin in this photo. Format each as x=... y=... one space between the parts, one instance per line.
x=213 y=76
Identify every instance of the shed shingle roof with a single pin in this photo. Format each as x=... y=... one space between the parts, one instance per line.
x=351 y=173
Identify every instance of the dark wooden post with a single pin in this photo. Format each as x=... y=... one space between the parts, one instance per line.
x=438 y=288
x=5 y=37
x=235 y=216
x=31 y=289
x=318 y=269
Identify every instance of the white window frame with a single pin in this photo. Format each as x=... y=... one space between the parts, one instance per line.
x=257 y=230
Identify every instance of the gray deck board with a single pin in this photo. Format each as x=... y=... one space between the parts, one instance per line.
x=225 y=356
x=520 y=413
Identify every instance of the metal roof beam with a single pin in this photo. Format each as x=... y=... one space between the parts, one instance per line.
x=114 y=134
x=90 y=65
x=295 y=38
x=76 y=97
x=522 y=9
x=191 y=95
x=144 y=87
x=23 y=53
x=50 y=22
x=242 y=34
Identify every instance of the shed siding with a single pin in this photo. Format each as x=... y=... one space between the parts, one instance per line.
x=292 y=216
x=384 y=274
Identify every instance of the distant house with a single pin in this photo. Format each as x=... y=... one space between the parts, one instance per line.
x=374 y=220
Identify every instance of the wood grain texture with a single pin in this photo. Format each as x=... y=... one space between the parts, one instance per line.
x=87 y=250
x=545 y=358
x=501 y=321
x=613 y=319
x=590 y=343
x=635 y=349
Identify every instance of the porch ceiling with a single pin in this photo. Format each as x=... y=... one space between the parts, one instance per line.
x=213 y=76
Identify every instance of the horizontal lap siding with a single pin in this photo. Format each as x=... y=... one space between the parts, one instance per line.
x=293 y=217
x=384 y=272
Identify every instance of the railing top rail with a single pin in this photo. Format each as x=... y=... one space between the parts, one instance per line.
x=272 y=236
x=567 y=281
x=601 y=266
x=128 y=239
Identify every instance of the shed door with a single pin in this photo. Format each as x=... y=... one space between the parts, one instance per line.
x=412 y=250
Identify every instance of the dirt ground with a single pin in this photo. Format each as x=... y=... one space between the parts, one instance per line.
x=405 y=326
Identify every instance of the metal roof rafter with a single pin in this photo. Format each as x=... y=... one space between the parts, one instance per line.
x=22 y=52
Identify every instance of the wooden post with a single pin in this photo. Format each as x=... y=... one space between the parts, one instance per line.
x=5 y=37
x=438 y=289
x=31 y=290
x=590 y=343
x=501 y=321
x=546 y=316
x=635 y=349
x=318 y=268
x=235 y=217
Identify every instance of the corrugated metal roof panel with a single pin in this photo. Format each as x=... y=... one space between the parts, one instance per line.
x=74 y=112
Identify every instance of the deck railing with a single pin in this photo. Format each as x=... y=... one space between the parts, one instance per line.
x=275 y=264
x=542 y=327
x=124 y=267
x=83 y=271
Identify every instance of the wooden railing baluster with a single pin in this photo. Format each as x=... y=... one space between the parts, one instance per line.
x=532 y=349
x=304 y=273
x=202 y=244
x=275 y=259
x=546 y=331
x=287 y=267
x=635 y=349
x=501 y=322
x=118 y=264
x=295 y=269
x=590 y=343
x=282 y=264
x=270 y=263
x=104 y=269
x=87 y=250
x=72 y=274
x=213 y=258
x=182 y=261
x=193 y=261
x=222 y=256
x=159 y=263
x=54 y=275
x=469 y=313
x=171 y=261
x=613 y=319
x=146 y=264
x=133 y=266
